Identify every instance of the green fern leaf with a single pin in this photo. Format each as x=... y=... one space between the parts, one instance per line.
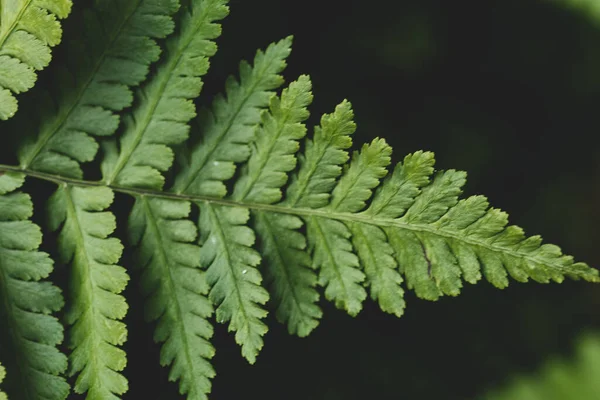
x=2 y=376
x=231 y=262
x=275 y=145
x=288 y=272
x=176 y=290
x=27 y=31
x=29 y=332
x=325 y=154
x=301 y=219
x=411 y=226
x=95 y=307
x=95 y=80
x=165 y=106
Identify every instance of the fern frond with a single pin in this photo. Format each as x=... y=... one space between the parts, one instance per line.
x=165 y=101
x=176 y=290
x=2 y=375
x=115 y=45
x=95 y=306
x=559 y=379
x=362 y=233
x=29 y=332
x=28 y=29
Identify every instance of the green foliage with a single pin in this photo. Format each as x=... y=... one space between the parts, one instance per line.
x=29 y=334
x=590 y=7
x=113 y=54
x=299 y=210
x=27 y=31
x=95 y=307
x=165 y=105
x=559 y=379
x=175 y=288
x=2 y=376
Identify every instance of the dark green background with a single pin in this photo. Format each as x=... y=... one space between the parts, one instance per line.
x=508 y=90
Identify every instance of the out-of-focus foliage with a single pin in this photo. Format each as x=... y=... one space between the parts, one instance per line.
x=578 y=378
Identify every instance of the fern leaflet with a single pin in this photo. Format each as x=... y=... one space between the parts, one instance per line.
x=27 y=31
x=160 y=120
x=31 y=334
x=96 y=71
x=176 y=290
x=95 y=306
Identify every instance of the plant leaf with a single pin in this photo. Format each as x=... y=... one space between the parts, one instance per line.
x=28 y=332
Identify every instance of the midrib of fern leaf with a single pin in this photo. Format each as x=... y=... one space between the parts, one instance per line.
x=95 y=306
x=95 y=80
x=176 y=288
x=28 y=28
x=30 y=333
x=2 y=375
x=165 y=101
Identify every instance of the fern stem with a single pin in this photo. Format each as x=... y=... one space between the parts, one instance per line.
x=304 y=212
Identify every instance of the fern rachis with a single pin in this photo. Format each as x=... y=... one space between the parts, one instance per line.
x=303 y=215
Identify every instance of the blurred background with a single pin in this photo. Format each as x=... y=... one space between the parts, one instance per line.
x=508 y=90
